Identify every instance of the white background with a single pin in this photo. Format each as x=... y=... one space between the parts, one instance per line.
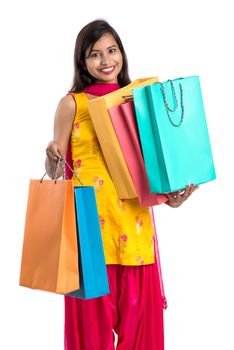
x=166 y=38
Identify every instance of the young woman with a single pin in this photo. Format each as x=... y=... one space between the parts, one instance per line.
x=134 y=308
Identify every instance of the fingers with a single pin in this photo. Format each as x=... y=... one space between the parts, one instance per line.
x=188 y=191
x=175 y=199
x=52 y=151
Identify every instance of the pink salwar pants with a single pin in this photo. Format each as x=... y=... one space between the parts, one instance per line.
x=133 y=309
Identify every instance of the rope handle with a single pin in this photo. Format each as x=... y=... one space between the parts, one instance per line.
x=168 y=109
x=62 y=161
x=127 y=97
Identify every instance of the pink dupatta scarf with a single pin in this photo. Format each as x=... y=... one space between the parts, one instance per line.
x=100 y=90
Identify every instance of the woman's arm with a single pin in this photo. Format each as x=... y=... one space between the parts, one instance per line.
x=63 y=122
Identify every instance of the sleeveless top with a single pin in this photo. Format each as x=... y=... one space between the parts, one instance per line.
x=126 y=227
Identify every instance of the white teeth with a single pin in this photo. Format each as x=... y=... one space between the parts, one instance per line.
x=107 y=69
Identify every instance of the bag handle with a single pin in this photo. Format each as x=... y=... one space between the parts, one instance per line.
x=127 y=98
x=168 y=109
x=62 y=161
x=64 y=172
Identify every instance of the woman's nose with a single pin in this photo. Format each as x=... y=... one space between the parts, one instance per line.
x=104 y=59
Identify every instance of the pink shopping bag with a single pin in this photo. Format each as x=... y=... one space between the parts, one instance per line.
x=124 y=123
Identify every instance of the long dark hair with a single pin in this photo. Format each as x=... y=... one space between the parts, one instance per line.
x=86 y=38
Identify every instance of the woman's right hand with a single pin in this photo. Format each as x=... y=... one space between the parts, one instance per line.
x=53 y=154
x=52 y=151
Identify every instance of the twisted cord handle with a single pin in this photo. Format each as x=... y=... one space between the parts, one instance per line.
x=168 y=109
x=127 y=97
x=65 y=162
x=62 y=161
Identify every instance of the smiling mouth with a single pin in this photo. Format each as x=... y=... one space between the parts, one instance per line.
x=107 y=70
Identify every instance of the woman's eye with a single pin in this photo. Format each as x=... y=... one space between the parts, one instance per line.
x=96 y=54
x=112 y=50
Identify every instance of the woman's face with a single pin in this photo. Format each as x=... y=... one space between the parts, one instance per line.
x=104 y=62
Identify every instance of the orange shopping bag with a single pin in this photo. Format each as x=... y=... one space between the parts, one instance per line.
x=50 y=254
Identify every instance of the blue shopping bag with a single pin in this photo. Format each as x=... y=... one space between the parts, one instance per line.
x=174 y=135
x=92 y=266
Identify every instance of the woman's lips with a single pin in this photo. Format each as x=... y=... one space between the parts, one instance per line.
x=107 y=70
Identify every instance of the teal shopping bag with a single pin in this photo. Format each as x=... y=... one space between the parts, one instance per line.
x=174 y=135
x=92 y=266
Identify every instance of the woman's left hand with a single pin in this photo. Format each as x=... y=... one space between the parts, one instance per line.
x=175 y=199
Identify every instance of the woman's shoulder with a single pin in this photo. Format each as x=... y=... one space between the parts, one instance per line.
x=67 y=101
x=66 y=107
x=67 y=104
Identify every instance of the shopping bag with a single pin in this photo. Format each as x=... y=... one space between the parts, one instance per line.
x=174 y=134
x=93 y=273
x=124 y=122
x=49 y=256
x=116 y=164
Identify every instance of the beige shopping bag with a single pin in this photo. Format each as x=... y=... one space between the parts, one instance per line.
x=98 y=109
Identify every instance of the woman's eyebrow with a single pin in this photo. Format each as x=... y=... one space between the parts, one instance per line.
x=107 y=48
x=112 y=46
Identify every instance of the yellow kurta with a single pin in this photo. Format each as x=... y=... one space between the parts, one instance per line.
x=127 y=231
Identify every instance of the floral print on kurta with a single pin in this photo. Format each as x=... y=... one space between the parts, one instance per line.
x=126 y=227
